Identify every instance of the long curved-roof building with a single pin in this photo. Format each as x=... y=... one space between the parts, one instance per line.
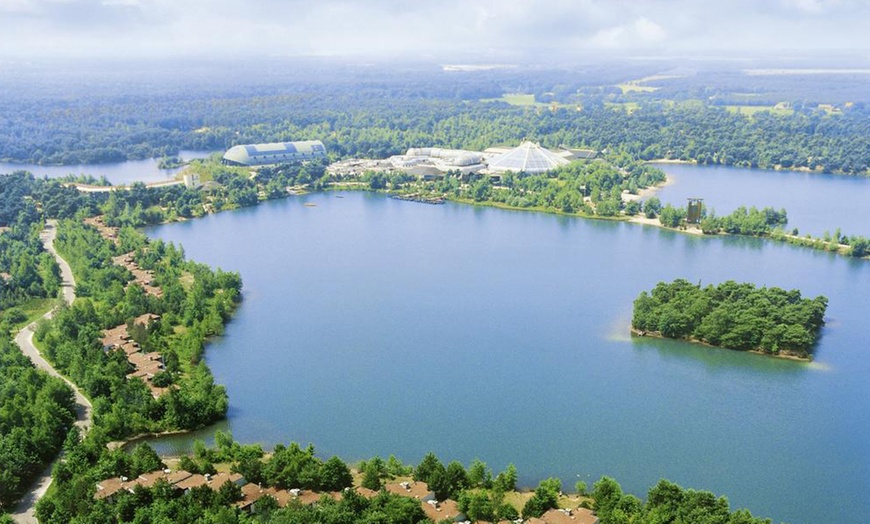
x=528 y=157
x=276 y=153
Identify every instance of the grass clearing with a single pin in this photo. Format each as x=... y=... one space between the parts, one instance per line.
x=516 y=99
x=636 y=86
x=628 y=107
x=206 y=169
x=186 y=280
x=752 y=110
x=33 y=309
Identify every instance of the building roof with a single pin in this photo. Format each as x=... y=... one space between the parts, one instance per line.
x=274 y=153
x=219 y=479
x=438 y=511
x=192 y=481
x=108 y=487
x=366 y=492
x=251 y=493
x=146 y=319
x=115 y=336
x=417 y=490
x=528 y=157
x=570 y=516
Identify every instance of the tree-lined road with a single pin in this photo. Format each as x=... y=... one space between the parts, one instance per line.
x=24 y=513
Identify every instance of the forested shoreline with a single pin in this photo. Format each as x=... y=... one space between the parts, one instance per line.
x=291 y=484
x=194 y=302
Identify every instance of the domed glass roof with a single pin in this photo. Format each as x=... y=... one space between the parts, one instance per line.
x=529 y=158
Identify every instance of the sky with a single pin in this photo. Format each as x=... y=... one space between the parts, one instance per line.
x=431 y=28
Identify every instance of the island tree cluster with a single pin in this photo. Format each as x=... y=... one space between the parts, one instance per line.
x=732 y=315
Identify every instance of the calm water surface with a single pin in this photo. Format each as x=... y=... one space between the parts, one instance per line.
x=815 y=203
x=117 y=173
x=372 y=326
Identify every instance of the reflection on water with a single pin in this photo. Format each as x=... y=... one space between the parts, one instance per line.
x=713 y=358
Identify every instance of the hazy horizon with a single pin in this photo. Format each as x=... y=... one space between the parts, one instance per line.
x=454 y=30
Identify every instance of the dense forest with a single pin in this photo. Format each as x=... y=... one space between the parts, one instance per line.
x=732 y=315
x=378 y=117
x=36 y=409
x=478 y=493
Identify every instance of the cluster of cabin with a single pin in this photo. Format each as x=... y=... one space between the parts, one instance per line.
x=434 y=509
x=107 y=232
x=182 y=480
x=141 y=277
x=145 y=365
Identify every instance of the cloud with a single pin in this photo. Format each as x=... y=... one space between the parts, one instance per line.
x=413 y=28
x=642 y=31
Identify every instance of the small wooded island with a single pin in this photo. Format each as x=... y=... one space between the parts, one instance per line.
x=732 y=315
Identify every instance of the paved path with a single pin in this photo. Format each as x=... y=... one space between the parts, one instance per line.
x=86 y=188
x=24 y=512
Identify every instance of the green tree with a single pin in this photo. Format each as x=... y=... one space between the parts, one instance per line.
x=429 y=464
x=335 y=475
x=506 y=481
x=479 y=476
x=652 y=207
x=371 y=476
x=545 y=498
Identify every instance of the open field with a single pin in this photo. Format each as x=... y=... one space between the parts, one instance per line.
x=751 y=110
x=636 y=86
x=628 y=107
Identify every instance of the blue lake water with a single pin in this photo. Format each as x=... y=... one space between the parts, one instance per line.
x=117 y=173
x=372 y=326
x=816 y=203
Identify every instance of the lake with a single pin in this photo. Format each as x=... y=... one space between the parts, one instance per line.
x=117 y=173
x=372 y=326
x=815 y=202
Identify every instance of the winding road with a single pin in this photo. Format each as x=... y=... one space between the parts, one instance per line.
x=24 y=513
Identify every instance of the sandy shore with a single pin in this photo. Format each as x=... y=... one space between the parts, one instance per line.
x=669 y=161
x=647 y=192
x=641 y=219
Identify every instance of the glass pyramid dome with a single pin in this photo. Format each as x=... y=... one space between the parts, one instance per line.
x=528 y=157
